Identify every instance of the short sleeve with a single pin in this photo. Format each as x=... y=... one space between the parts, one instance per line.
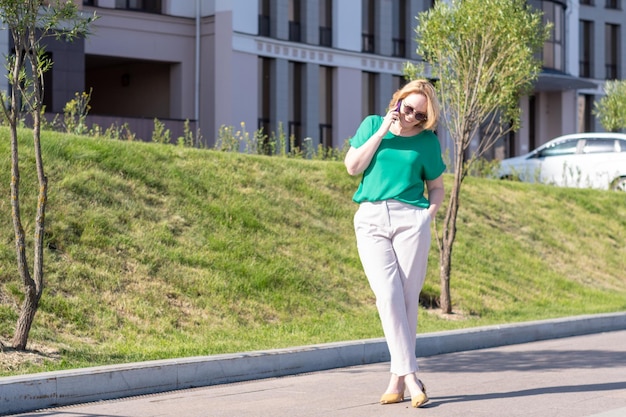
x=366 y=129
x=435 y=165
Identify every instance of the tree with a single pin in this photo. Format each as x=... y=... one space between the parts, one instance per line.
x=483 y=54
x=28 y=22
x=611 y=108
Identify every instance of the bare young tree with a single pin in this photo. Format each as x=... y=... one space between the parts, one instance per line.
x=483 y=54
x=28 y=22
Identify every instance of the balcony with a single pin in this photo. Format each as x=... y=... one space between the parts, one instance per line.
x=367 y=43
x=264 y=26
x=294 y=32
x=399 y=48
x=326 y=37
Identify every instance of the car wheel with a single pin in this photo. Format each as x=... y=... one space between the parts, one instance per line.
x=619 y=184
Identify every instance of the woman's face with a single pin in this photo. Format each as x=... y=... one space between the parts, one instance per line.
x=414 y=110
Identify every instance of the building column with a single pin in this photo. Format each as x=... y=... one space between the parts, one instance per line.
x=569 y=106
x=279 y=15
x=310 y=22
x=412 y=11
x=279 y=96
x=346 y=111
x=347 y=28
x=384 y=87
x=382 y=38
x=311 y=103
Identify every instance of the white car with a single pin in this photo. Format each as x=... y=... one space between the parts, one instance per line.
x=583 y=160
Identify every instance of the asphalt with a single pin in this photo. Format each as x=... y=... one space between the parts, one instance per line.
x=564 y=368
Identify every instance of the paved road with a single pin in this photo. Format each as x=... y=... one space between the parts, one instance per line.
x=577 y=376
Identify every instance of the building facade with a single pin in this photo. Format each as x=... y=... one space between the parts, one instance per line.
x=312 y=68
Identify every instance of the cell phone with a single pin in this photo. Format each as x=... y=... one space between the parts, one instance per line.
x=398 y=106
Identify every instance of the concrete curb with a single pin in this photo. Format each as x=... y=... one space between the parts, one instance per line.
x=36 y=391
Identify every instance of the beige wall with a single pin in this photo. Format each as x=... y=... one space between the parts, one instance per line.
x=161 y=39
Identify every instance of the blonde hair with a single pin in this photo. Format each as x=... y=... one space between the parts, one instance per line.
x=425 y=88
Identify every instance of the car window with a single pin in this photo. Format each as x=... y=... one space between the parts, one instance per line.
x=562 y=148
x=621 y=144
x=599 y=146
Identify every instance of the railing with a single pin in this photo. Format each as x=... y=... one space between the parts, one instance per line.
x=153 y=6
x=585 y=69
x=399 y=47
x=326 y=36
x=295 y=131
x=294 y=32
x=611 y=71
x=367 y=43
x=264 y=26
x=264 y=125
x=326 y=135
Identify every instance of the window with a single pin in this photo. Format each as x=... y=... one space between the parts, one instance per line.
x=295 y=105
x=586 y=48
x=563 y=148
x=599 y=146
x=88 y=2
x=368 y=89
x=611 y=50
x=613 y=4
x=585 y=113
x=326 y=106
x=326 y=23
x=553 y=49
x=264 y=105
x=397 y=81
x=368 y=19
x=586 y=2
x=148 y=6
x=294 y=21
x=398 y=27
x=621 y=145
x=533 y=106
x=264 y=18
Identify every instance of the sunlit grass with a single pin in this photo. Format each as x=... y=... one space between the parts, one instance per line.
x=158 y=251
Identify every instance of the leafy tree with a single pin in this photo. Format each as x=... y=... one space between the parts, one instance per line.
x=28 y=22
x=484 y=55
x=611 y=108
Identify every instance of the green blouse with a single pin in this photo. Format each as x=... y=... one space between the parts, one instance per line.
x=400 y=165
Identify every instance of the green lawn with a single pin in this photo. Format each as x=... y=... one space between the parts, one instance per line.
x=159 y=251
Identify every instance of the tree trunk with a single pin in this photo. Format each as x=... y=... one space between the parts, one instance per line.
x=27 y=315
x=40 y=219
x=31 y=299
x=33 y=288
x=449 y=234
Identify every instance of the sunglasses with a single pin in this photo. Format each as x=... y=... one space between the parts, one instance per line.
x=419 y=116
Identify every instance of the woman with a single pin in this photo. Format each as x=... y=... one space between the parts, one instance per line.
x=400 y=157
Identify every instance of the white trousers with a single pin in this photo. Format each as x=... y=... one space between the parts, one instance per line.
x=393 y=239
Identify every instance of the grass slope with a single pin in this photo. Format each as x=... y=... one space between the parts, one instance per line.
x=157 y=251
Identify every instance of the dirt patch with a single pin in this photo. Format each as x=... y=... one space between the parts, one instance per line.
x=12 y=360
x=454 y=316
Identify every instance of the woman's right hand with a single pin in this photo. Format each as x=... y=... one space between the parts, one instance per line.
x=390 y=118
x=358 y=159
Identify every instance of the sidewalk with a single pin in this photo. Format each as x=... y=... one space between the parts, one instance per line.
x=568 y=376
